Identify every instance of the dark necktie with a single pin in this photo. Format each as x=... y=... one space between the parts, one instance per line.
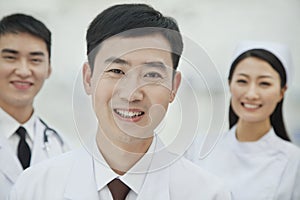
x=118 y=189
x=23 y=148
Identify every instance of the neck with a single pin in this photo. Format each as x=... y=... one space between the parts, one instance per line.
x=21 y=114
x=249 y=132
x=121 y=156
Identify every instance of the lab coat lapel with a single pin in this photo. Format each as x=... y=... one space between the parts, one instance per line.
x=81 y=184
x=39 y=152
x=10 y=165
x=157 y=181
x=156 y=185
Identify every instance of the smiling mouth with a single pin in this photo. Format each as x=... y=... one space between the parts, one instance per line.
x=251 y=106
x=21 y=84
x=128 y=114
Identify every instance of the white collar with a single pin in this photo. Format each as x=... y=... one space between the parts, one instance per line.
x=260 y=146
x=134 y=178
x=88 y=186
x=9 y=125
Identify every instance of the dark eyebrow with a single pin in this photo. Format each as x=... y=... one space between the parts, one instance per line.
x=156 y=64
x=116 y=60
x=260 y=77
x=37 y=53
x=266 y=76
x=9 y=51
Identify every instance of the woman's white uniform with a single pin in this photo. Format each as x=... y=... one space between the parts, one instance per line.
x=10 y=167
x=267 y=169
x=77 y=176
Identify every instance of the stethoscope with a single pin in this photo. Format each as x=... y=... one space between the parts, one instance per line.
x=46 y=134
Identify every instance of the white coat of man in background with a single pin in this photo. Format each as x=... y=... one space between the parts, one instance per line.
x=25 y=48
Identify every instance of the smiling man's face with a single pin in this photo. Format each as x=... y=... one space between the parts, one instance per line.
x=24 y=66
x=131 y=85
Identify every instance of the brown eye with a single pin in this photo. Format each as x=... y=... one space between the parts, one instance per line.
x=9 y=58
x=36 y=61
x=265 y=83
x=153 y=75
x=116 y=71
x=241 y=81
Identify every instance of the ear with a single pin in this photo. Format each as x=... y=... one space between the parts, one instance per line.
x=175 y=86
x=87 y=76
x=282 y=92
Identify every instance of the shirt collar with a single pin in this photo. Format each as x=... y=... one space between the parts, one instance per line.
x=9 y=125
x=134 y=178
x=30 y=126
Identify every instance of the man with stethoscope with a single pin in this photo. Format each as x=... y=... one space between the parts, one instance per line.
x=25 y=139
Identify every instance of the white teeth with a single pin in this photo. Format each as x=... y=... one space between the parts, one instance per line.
x=128 y=114
x=251 y=106
x=22 y=83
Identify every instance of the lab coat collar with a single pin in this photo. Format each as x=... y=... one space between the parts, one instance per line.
x=11 y=168
x=9 y=125
x=81 y=183
x=157 y=181
x=135 y=177
x=101 y=171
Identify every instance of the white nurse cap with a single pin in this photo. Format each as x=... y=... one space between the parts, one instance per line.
x=281 y=51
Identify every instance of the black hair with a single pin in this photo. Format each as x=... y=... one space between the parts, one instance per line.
x=124 y=17
x=21 y=23
x=276 y=117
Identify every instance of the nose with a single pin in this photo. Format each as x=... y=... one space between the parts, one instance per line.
x=130 y=89
x=23 y=69
x=252 y=92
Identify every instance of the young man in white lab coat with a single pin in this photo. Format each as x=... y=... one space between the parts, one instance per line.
x=25 y=45
x=133 y=53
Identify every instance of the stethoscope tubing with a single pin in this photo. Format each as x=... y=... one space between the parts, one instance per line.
x=45 y=135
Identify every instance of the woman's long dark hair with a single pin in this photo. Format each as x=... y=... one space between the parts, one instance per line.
x=277 y=116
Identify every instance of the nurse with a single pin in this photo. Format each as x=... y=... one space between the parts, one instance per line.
x=25 y=45
x=131 y=78
x=255 y=158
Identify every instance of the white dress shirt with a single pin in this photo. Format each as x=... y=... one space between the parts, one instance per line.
x=132 y=179
x=9 y=126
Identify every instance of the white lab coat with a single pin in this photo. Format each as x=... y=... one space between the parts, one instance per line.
x=10 y=167
x=268 y=169
x=71 y=176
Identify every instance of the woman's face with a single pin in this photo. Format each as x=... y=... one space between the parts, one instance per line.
x=255 y=90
